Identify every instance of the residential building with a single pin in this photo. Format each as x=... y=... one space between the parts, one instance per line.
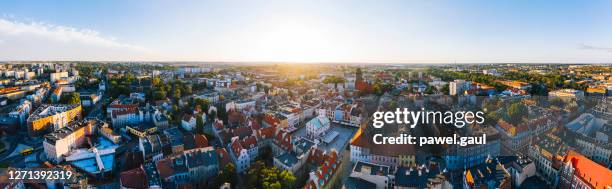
x=56 y=95
x=363 y=149
x=324 y=177
x=490 y=174
x=51 y=117
x=188 y=122
x=579 y=171
x=567 y=94
x=57 y=76
x=22 y=112
x=379 y=175
x=458 y=86
x=317 y=126
x=240 y=155
x=61 y=142
x=459 y=157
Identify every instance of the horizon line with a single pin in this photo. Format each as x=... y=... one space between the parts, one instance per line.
x=287 y=62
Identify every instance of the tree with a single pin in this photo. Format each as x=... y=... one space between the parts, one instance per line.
x=377 y=89
x=335 y=80
x=176 y=94
x=228 y=174
x=156 y=81
x=430 y=90
x=199 y=125
x=71 y=98
x=175 y=108
x=212 y=114
x=287 y=178
x=159 y=95
x=516 y=112
x=445 y=89
x=260 y=176
x=188 y=90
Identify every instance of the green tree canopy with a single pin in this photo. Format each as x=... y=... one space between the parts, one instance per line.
x=516 y=112
x=260 y=176
x=334 y=79
x=199 y=125
x=71 y=98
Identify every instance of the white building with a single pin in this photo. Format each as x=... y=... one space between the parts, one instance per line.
x=240 y=105
x=211 y=97
x=317 y=126
x=566 y=93
x=20 y=74
x=458 y=86
x=57 y=76
x=29 y=75
x=89 y=99
x=380 y=175
x=22 y=111
x=125 y=117
x=240 y=155
x=59 y=143
x=68 y=88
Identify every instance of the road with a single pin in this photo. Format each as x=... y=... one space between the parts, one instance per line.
x=96 y=111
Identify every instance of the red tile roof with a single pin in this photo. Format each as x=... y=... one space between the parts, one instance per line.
x=236 y=147
x=249 y=142
x=57 y=91
x=271 y=120
x=164 y=167
x=392 y=150
x=283 y=138
x=253 y=124
x=266 y=132
x=598 y=176
x=508 y=127
x=328 y=167
x=116 y=113
x=218 y=124
x=200 y=141
x=242 y=132
x=310 y=185
x=224 y=157
x=235 y=117
x=124 y=106
x=135 y=178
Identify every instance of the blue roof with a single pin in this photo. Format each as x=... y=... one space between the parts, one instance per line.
x=104 y=143
x=288 y=159
x=319 y=121
x=90 y=165
x=304 y=144
x=411 y=177
x=357 y=183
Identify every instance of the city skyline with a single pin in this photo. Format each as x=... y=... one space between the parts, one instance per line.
x=309 y=31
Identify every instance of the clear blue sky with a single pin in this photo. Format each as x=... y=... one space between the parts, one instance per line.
x=427 y=31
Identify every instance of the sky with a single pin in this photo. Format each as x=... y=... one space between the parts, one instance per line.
x=425 y=31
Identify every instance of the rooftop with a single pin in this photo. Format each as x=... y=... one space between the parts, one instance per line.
x=287 y=159
x=371 y=169
x=46 y=110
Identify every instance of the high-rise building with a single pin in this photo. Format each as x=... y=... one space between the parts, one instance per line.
x=457 y=87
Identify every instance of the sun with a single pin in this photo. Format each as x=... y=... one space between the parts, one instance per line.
x=296 y=42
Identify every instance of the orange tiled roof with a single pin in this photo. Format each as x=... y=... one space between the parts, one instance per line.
x=595 y=174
